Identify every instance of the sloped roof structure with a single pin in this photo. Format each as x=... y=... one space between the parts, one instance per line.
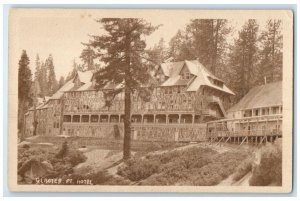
x=66 y=87
x=202 y=76
x=85 y=76
x=267 y=95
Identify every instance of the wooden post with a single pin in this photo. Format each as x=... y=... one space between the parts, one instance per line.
x=257 y=126
x=193 y=120
x=266 y=133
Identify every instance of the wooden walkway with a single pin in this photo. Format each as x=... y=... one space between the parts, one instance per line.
x=250 y=130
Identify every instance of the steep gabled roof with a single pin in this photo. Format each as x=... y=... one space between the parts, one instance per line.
x=202 y=76
x=85 y=76
x=171 y=68
x=66 y=87
x=267 y=95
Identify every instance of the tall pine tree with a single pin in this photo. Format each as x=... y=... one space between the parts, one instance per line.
x=61 y=82
x=123 y=52
x=158 y=54
x=180 y=47
x=243 y=59
x=44 y=79
x=52 y=82
x=37 y=76
x=208 y=40
x=24 y=86
x=270 y=65
x=88 y=56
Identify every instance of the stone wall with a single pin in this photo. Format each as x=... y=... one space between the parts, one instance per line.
x=140 y=132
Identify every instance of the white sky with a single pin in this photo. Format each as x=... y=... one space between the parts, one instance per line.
x=62 y=36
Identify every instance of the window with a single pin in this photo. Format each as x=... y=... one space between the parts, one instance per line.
x=76 y=118
x=275 y=110
x=94 y=118
x=67 y=118
x=186 y=75
x=85 y=118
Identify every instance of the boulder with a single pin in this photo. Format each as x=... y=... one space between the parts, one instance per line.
x=24 y=144
x=33 y=169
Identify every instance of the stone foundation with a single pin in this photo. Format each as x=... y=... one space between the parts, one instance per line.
x=140 y=132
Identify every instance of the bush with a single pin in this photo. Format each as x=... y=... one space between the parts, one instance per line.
x=63 y=151
x=75 y=157
x=193 y=166
x=244 y=168
x=139 y=169
x=61 y=166
x=269 y=169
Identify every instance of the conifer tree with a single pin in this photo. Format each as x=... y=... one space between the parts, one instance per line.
x=158 y=54
x=44 y=80
x=88 y=56
x=180 y=47
x=37 y=76
x=122 y=50
x=243 y=59
x=24 y=85
x=270 y=65
x=203 y=39
x=61 y=82
x=36 y=91
x=52 y=82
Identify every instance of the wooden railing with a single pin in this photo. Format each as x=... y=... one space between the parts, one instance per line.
x=270 y=125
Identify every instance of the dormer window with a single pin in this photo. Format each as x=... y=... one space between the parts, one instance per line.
x=186 y=75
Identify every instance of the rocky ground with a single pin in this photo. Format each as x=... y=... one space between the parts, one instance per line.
x=102 y=159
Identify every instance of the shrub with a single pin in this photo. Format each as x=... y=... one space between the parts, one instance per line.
x=75 y=157
x=138 y=169
x=244 y=168
x=193 y=166
x=63 y=151
x=269 y=169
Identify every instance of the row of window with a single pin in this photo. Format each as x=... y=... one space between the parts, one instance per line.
x=134 y=118
x=263 y=111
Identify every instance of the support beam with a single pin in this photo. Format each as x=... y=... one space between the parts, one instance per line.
x=243 y=140
x=228 y=138
x=220 y=140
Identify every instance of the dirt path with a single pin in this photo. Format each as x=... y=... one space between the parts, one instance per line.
x=244 y=181
x=99 y=159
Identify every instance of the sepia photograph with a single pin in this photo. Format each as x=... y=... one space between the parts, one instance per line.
x=150 y=100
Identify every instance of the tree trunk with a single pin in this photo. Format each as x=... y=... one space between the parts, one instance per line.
x=61 y=115
x=34 y=123
x=215 y=46
x=127 y=109
x=22 y=120
x=127 y=125
x=273 y=51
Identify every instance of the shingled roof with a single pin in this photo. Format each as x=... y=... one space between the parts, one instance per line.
x=202 y=76
x=66 y=87
x=267 y=95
